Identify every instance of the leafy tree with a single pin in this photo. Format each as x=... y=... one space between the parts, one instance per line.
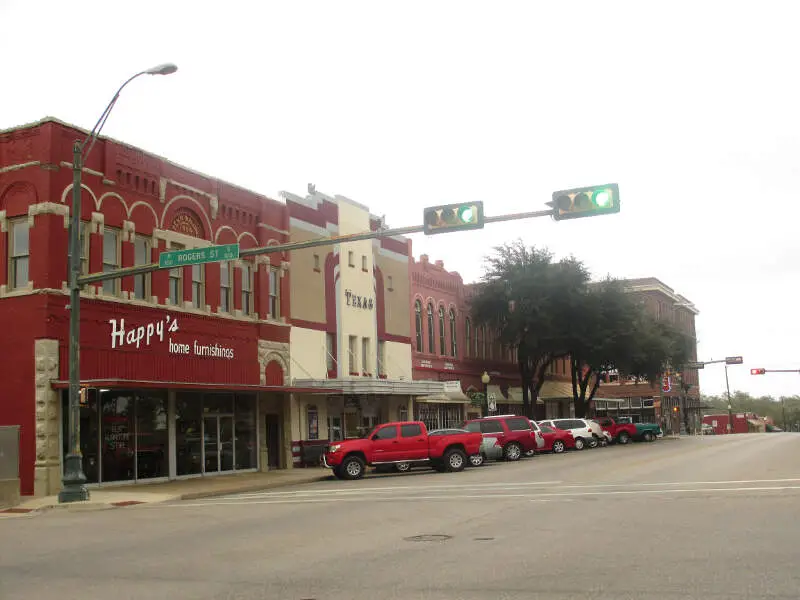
x=611 y=331
x=526 y=296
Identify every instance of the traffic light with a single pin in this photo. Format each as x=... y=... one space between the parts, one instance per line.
x=758 y=371
x=674 y=409
x=585 y=202
x=453 y=217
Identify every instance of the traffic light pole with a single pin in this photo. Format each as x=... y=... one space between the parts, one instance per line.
x=339 y=239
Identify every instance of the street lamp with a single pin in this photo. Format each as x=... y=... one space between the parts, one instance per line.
x=74 y=480
x=485 y=379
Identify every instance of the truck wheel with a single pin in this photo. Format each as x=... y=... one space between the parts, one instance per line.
x=337 y=472
x=352 y=468
x=558 y=447
x=403 y=467
x=455 y=460
x=624 y=438
x=579 y=443
x=476 y=460
x=648 y=436
x=512 y=451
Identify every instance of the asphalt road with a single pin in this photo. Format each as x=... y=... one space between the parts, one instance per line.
x=713 y=517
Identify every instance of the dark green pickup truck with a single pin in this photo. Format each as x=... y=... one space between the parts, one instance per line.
x=646 y=432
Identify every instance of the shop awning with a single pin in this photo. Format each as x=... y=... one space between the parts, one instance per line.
x=551 y=390
x=452 y=394
x=366 y=385
x=193 y=385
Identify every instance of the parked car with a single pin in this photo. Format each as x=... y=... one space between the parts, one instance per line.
x=556 y=440
x=585 y=432
x=489 y=449
x=514 y=434
x=401 y=442
x=645 y=432
x=621 y=433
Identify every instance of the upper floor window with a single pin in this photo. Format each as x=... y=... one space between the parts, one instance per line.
x=365 y=354
x=389 y=283
x=480 y=342
x=141 y=256
x=381 y=357
x=468 y=336
x=442 y=347
x=176 y=281
x=198 y=297
x=352 y=350
x=453 y=346
x=330 y=357
x=418 y=324
x=111 y=241
x=225 y=287
x=247 y=289
x=431 y=330
x=274 y=294
x=20 y=253
x=351 y=260
x=363 y=262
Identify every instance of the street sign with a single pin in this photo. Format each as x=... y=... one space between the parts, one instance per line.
x=666 y=384
x=733 y=360
x=196 y=256
x=492 y=402
x=696 y=365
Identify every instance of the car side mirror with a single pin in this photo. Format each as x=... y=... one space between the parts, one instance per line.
x=374 y=437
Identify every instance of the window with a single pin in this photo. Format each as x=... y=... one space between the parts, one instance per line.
x=316 y=262
x=418 y=324
x=274 y=294
x=411 y=430
x=141 y=256
x=329 y=352
x=312 y=418
x=431 y=346
x=225 y=287
x=364 y=262
x=352 y=349
x=176 y=281
x=467 y=337
x=198 y=298
x=351 y=260
x=247 y=289
x=442 y=347
x=110 y=259
x=386 y=433
x=453 y=346
x=390 y=283
x=365 y=355
x=480 y=342
x=20 y=253
x=491 y=427
x=519 y=424
x=473 y=427
x=381 y=357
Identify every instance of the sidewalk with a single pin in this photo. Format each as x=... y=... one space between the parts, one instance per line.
x=116 y=496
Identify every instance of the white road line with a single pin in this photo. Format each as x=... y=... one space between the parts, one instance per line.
x=487 y=486
x=450 y=497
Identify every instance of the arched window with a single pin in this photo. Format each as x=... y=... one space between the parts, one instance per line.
x=467 y=337
x=431 y=330
x=480 y=346
x=442 y=346
x=453 y=345
x=418 y=324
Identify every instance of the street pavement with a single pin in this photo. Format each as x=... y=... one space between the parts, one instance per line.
x=712 y=517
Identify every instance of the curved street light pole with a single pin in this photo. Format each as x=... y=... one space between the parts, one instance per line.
x=74 y=480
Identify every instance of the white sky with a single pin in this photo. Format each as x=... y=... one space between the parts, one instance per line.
x=691 y=107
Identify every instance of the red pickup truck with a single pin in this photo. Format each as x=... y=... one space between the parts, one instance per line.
x=619 y=432
x=401 y=442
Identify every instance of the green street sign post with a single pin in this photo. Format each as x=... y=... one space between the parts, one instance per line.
x=196 y=256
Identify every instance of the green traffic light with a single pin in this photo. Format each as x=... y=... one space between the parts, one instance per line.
x=466 y=214
x=602 y=198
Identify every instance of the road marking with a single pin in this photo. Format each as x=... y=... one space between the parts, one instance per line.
x=506 y=486
x=449 y=497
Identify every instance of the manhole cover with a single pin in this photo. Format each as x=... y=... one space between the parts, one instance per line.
x=428 y=538
x=484 y=539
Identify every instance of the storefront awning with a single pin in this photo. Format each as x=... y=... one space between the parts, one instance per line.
x=452 y=394
x=185 y=385
x=366 y=385
x=551 y=390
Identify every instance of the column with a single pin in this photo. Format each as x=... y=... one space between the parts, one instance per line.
x=237 y=285
x=47 y=465
x=127 y=258
x=159 y=282
x=261 y=287
x=96 y=248
x=3 y=249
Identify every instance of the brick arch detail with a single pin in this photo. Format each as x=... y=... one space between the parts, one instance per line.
x=274 y=372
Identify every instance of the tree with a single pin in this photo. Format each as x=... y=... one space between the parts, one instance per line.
x=525 y=296
x=611 y=332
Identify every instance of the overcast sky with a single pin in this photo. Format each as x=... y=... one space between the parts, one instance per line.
x=692 y=107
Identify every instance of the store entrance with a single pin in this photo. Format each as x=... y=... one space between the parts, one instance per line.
x=217 y=443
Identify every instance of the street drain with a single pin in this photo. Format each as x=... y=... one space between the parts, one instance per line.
x=428 y=538
x=484 y=539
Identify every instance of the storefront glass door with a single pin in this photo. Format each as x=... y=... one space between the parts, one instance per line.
x=218 y=443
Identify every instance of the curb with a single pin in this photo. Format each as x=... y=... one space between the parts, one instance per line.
x=252 y=488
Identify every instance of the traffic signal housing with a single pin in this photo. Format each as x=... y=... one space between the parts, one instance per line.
x=585 y=202
x=453 y=217
x=758 y=371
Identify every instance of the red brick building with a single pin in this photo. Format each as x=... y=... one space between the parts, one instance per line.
x=448 y=346
x=186 y=369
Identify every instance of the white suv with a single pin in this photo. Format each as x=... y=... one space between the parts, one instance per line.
x=585 y=431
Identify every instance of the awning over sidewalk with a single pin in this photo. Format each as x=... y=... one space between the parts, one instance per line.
x=185 y=385
x=551 y=390
x=451 y=394
x=367 y=385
